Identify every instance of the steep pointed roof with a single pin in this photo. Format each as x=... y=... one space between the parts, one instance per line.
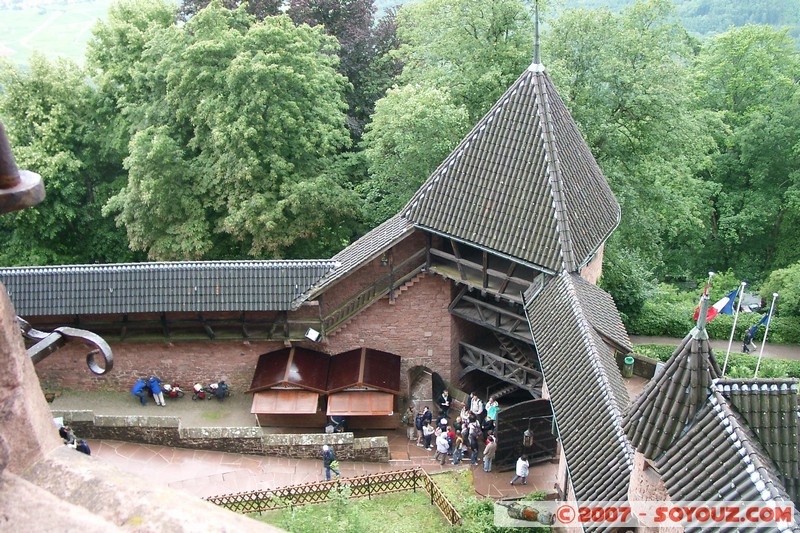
x=671 y=399
x=522 y=184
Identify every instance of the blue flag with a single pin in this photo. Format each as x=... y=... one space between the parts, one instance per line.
x=754 y=328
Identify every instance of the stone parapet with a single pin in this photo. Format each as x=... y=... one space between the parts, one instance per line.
x=167 y=431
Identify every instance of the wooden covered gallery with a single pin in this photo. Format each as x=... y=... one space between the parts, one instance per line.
x=300 y=387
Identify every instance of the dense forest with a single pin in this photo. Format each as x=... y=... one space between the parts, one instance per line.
x=261 y=130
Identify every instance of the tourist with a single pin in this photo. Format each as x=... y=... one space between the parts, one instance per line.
x=83 y=447
x=443 y=425
x=155 y=390
x=488 y=454
x=488 y=425
x=66 y=433
x=476 y=406
x=427 y=415
x=442 y=448
x=522 y=470
x=427 y=434
x=492 y=408
x=444 y=404
x=418 y=423
x=329 y=462
x=459 y=450
x=451 y=438
x=410 y=421
x=140 y=390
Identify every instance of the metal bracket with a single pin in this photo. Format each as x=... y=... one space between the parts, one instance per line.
x=48 y=343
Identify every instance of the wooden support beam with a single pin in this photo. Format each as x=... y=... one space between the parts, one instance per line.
x=123 y=332
x=485 y=270
x=428 y=244
x=509 y=273
x=457 y=254
x=206 y=327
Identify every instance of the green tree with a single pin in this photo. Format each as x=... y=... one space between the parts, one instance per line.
x=413 y=130
x=50 y=114
x=624 y=79
x=244 y=117
x=749 y=77
x=786 y=282
x=472 y=49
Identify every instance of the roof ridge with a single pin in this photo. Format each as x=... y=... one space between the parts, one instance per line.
x=554 y=176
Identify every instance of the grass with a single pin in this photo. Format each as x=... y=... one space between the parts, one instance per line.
x=55 y=30
x=404 y=512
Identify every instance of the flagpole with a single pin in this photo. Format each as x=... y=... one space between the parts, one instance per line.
x=733 y=329
x=766 y=331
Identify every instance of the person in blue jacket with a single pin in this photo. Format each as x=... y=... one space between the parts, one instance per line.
x=139 y=390
x=155 y=389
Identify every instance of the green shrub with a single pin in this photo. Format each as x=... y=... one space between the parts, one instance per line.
x=669 y=314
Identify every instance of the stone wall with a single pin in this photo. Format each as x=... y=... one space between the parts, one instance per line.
x=416 y=326
x=167 y=431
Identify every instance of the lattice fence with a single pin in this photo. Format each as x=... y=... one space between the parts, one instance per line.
x=324 y=491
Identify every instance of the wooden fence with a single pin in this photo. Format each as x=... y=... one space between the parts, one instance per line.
x=325 y=491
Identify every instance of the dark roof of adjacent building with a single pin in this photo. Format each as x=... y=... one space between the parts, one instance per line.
x=293 y=367
x=602 y=312
x=586 y=391
x=522 y=184
x=364 y=250
x=365 y=368
x=672 y=398
x=162 y=287
x=769 y=407
x=719 y=458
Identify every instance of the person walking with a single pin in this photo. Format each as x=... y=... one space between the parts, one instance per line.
x=329 y=462
x=155 y=390
x=488 y=454
x=522 y=470
x=140 y=390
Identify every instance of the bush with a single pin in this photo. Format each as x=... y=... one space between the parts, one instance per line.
x=740 y=365
x=669 y=314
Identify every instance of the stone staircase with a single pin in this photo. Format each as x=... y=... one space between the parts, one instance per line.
x=405 y=286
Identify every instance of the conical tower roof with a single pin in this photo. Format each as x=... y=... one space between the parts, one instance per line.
x=670 y=400
x=523 y=184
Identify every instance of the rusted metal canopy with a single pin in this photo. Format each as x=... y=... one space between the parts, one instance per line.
x=291 y=367
x=365 y=368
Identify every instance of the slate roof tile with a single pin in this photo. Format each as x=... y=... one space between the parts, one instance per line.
x=602 y=312
x=161 y=287
x=719 y=458
x=586 y=391
x=523 y=184
x=671 y=399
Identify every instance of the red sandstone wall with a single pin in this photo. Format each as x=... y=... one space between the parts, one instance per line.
x=594 y=269
x=184 y=362
x=417 y=327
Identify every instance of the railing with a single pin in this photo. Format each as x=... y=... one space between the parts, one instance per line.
x=325 y=491
x=401 y=273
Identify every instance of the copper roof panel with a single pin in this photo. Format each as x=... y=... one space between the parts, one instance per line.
x=294 y=366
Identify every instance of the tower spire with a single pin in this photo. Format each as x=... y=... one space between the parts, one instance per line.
x=536 y=60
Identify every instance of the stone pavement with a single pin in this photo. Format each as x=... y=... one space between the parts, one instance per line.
x=206 y=473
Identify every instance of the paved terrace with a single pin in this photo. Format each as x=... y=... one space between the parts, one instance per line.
x=206 y=473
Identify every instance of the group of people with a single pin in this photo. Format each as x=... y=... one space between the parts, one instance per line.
x=145 y=387
x=472 y=430
x=68 y=436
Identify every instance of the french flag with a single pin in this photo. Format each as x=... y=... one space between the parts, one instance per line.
x=724 y=306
